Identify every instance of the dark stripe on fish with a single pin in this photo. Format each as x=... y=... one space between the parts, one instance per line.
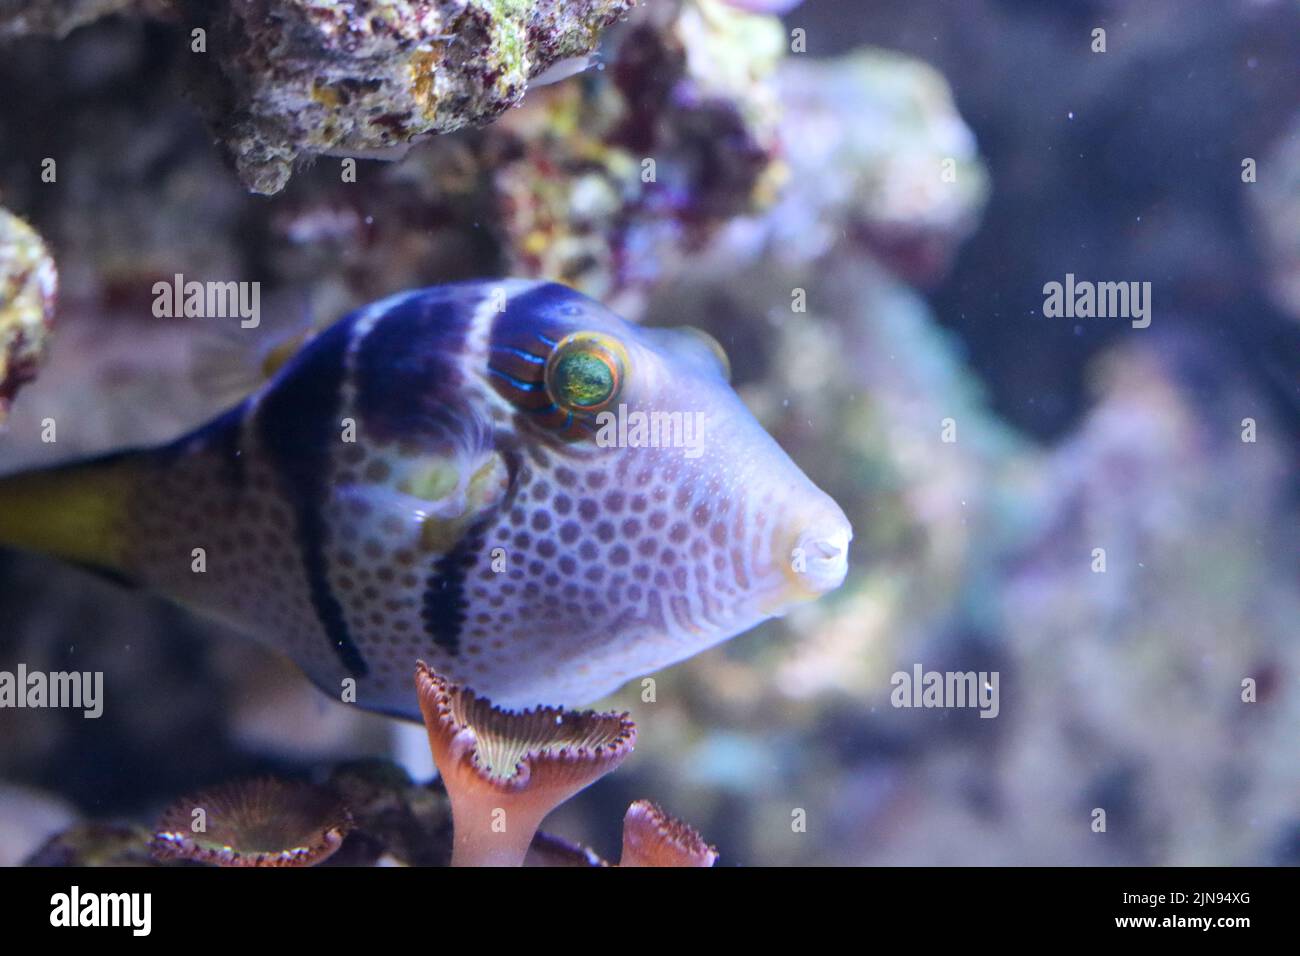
x=299 y=422
x=444 y=605
x=410 y=382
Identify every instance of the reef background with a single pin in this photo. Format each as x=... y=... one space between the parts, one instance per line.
x=776 y=171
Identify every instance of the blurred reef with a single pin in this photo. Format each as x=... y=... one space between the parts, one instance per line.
x=866 y=227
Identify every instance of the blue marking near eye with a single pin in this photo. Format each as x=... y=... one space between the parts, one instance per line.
x=569 y=421
x=522 y=386
x=549 y=342
x=526 y=356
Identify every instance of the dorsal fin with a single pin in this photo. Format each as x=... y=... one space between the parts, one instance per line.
x=230 y=362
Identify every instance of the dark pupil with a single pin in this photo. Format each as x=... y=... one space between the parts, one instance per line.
x=583 y=379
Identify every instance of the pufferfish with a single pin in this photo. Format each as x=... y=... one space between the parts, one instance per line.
x=430 y=478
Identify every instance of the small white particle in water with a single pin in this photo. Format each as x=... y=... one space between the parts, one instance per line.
x=1071 y=114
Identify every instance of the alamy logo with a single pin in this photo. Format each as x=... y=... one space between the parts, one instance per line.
x=944 y=689
x=209 y=300
x=655 y=429
x=77 y=690
x=1101 y=300
x=75 y=908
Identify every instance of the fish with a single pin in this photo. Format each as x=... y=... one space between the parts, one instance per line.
x=463 y=474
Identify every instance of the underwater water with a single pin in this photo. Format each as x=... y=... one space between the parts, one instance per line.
x=955 y=522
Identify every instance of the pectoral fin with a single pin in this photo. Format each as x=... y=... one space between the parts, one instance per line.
x=437 y=499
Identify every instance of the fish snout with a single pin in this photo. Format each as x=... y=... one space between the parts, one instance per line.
x=813 y=551
x=821 y=556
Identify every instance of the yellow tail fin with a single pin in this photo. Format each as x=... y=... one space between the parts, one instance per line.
x=76 y=512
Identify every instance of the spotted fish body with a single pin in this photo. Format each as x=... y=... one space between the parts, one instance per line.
x=409 y=487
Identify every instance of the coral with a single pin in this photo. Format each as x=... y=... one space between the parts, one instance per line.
x=700 y=137
x=283 y=79
x=28 y=282
x=305 y=77
x=608 y=185
x=878 y=154
x=265 y=822
x=653 y=838
x=505 y=770
x=1190 y=519
x=501 y=773
x=395 y=820
x=367 y=813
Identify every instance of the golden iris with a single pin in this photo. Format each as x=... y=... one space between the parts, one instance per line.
x=585 y=372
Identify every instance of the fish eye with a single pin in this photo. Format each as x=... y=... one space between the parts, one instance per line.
x=715 y=347
x=585 y=371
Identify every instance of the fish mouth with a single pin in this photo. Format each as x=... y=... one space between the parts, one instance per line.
x=826 y=558
x=813 y=554
x=825 y=553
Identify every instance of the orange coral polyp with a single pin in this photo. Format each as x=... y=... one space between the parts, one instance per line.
x=504 y=771
x=653 y=838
